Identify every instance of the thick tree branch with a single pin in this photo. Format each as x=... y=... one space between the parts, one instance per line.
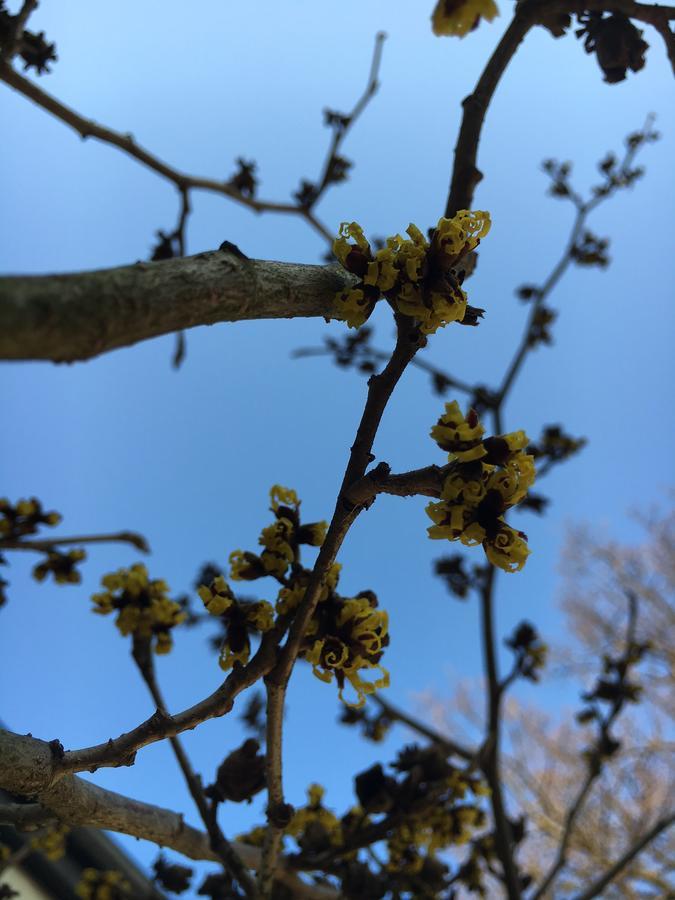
x=71 y=317
x=74 y=801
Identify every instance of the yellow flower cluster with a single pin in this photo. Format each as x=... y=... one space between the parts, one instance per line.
x=280 y=541
x=488 y=477
x=239 y=617
x=97 y=885
x=290 y=597
x=24 y=517
x=314 y=815
x=459 y=17
x=51 y=842
x=143 y=606
x=344 y=638
x=418 y=838
x=415 y=274
x=345 y=635
x=61 y=566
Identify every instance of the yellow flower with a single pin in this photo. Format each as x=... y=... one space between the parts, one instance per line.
x=341 y=246
x=508 y=550
x=218 y=597
x=346 y=637
x=416 y=276
x=52 y=842
x=143 y=607
x=460 y=436
x=290 y=598
x=456 y=237
x=245 y=566
x=283 y=496
x=354 y=307
x=314 y=813
x=488 y=476
x=458 y=17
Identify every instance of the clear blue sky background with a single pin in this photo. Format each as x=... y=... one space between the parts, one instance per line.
x=187 y=458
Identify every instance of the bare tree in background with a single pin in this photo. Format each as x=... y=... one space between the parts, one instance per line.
x=546 y=754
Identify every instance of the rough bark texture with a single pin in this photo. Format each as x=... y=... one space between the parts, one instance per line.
x=27 y=767
x=72 y=317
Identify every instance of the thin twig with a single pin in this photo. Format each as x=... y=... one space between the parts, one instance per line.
x=142 y=656
x=47 y=544
x=381 y=356
x=610 y=874
x=594 y=771
x=465 y=174
x=490 y=756
x=448 y=745
x=380 y=388
x=340 y=133
x=184 y=182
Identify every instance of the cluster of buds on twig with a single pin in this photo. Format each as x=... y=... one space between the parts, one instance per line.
x=143 y=606
x=32 y=47
x=488 y=476
x=420 y=278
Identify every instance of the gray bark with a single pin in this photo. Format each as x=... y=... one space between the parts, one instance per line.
x=72 y=317
x=27 y=769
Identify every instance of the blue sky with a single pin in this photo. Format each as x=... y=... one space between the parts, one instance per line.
x=188 y=457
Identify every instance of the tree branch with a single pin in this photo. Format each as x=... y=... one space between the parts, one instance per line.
x=490 y=755
x=594 y=769
x=13 y=44
x=46 y=544
x=465 y=174
x=142 y=655
x=74 y=801
x=607 y=877
x=122 y=750
x=448 y=745
x=276 y=812
x=71 y=317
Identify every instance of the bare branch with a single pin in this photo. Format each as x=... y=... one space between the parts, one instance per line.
x=490 y=756
x=65 y=318
x=450 y=746
x=142 y=655
x=594 y=768
x=607 y=877
x=46 y=544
